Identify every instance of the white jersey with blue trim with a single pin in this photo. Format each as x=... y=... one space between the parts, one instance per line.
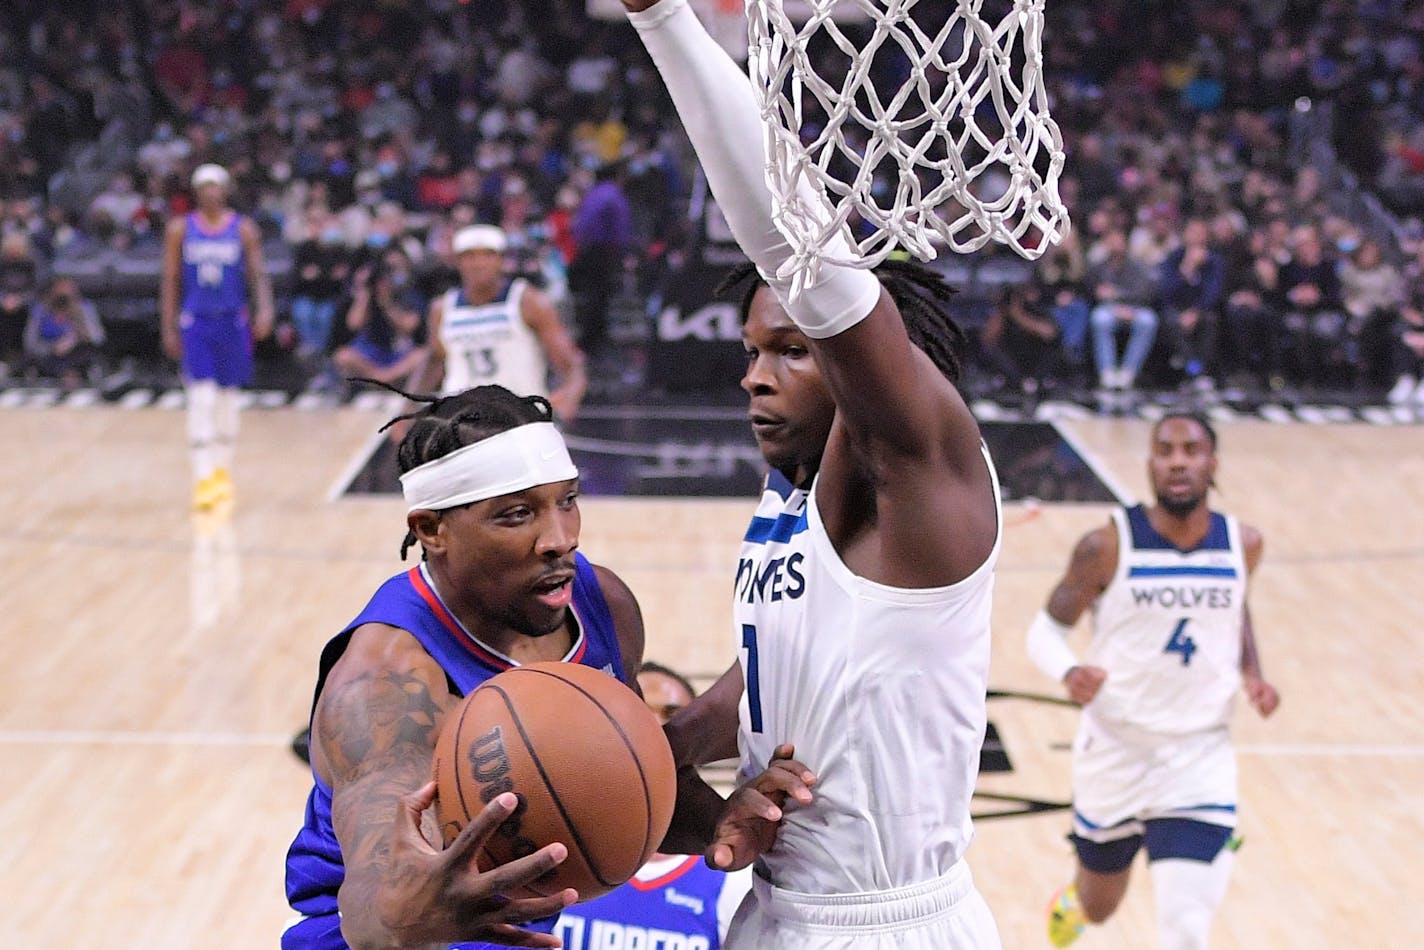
x=490 y=343
x=880 y=689
x=1167 y=629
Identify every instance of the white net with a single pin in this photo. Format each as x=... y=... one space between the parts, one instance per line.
x=906 y=126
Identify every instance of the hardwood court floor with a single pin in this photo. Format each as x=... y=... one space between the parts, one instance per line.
x=154 y=665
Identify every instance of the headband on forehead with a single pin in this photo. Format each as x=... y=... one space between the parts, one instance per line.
x=523 y=457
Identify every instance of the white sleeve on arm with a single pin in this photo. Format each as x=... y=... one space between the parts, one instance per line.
x=1048 y=647
x=715 y=102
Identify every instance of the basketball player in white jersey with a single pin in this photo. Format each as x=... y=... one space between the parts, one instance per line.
x=494 y=329
x=863 y=588
x=1172 y=643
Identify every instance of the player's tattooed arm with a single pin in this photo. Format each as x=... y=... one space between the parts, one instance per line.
x=374 y=735
x=1089 y=570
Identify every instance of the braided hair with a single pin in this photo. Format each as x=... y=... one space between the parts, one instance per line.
x=922 y=296
x=447 y=423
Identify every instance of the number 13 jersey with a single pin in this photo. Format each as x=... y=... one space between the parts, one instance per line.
x=489 y=343
x=880 y=689
x=1167 y=629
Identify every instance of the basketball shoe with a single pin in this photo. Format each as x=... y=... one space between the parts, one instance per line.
x=1065 y=917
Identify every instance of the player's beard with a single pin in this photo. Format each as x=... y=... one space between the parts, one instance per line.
x=1180 y=507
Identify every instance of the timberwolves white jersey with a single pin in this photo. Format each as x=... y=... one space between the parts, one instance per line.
x=873 y=685
x=490 y=343
x=1168 y=630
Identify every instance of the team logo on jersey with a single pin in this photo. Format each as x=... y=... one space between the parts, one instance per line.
x=1183 y=597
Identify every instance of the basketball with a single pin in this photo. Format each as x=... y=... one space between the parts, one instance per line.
x=585 y=756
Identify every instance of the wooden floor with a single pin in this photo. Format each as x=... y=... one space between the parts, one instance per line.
x=153 y=666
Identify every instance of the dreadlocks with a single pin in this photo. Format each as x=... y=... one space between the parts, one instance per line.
x=448 y=423
x=921 y=295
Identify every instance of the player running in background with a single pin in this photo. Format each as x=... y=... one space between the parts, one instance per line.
x=1172 y=643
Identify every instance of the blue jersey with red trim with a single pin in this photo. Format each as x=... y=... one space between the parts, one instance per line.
x=214 y=268
x=675 y=911
x=409 y=601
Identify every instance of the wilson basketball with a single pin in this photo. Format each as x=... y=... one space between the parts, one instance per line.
x=585 y=756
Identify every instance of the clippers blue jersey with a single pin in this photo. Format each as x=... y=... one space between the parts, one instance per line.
x=675 y=910
x=214 y=268
x=408 y=601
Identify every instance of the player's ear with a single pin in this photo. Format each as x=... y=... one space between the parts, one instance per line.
x=425 y=525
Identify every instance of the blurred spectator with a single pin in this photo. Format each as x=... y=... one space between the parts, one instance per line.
x=63 y=335
x=1190 y=288
x=1021 y=341
x=321 y=266
x=19 y=279
x=603 y=235
x=1314 y=321
x=1252 y=317
x=1372 y=291
x=1123 y=291
x=1154 y=238
x=1062 y=274
x=119 y=202
x=1407 y=342
x=385 y=320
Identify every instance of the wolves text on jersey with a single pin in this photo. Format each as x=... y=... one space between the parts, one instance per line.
x=779 y=577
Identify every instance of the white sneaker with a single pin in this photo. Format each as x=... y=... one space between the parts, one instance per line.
x=1403 y=391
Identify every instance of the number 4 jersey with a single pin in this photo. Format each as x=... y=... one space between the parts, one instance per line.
x=1168 y=630
x=490 y=343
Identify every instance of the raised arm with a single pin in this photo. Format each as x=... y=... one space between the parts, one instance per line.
x=564 y=355
x=894 y=408
x=1090 y=569
x=373 y=739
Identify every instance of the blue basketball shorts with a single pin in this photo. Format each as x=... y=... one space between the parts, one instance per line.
x=217 y=347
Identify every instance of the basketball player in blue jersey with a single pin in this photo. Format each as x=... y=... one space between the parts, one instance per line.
x=493 y=504
x=212 y=271
x=1172 y=643
x=497 y=329
x=862 y=595
x=673 y=902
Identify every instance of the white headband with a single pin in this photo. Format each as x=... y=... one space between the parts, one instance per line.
x=523 y=457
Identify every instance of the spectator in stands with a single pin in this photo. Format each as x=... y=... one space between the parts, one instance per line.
x=119 y=202
x=19 y=280
x=1407 y=342
x=321 y=266
x=385 y=320
x=1314 y=321
x=603 y=234
x=1252 y=316
x=1062 y=276
x=63 y=335
x=1123 y=292
x=1372 y=291
x=1154 y=237
x=1190 y=288
x=1021 y=340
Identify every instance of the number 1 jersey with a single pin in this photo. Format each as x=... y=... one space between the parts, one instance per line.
x=1168 y=630
x=881 y=690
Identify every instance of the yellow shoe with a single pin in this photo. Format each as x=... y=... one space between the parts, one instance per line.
x=206 y=494
x=1065 y=917
x=222 y=485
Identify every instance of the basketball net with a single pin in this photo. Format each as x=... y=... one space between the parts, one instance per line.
x=956 y=149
